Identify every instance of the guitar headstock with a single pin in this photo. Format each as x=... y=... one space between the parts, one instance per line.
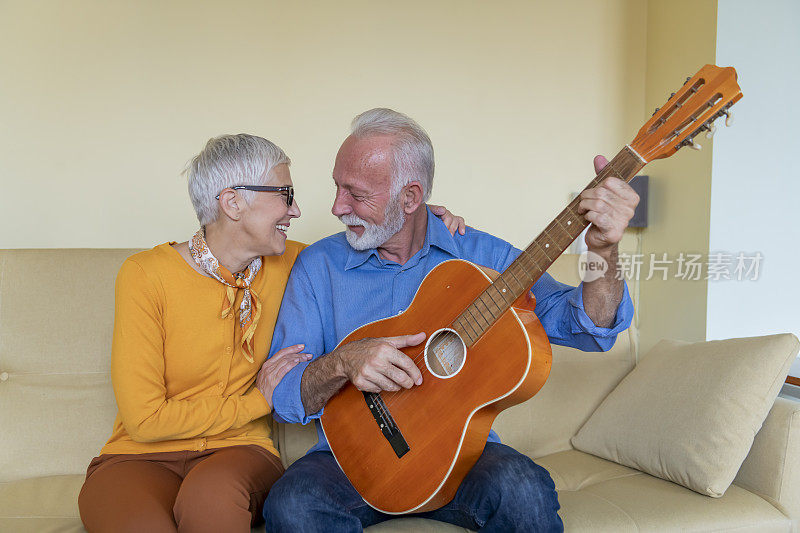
x=704 y=97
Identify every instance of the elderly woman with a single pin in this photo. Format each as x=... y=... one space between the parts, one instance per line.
x=191 y=449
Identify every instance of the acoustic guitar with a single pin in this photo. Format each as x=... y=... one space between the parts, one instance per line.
x=485 y=350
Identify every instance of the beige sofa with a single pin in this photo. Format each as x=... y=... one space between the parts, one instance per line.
x=57 y=407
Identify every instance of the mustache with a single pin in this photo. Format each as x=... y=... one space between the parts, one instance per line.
x=353 y=220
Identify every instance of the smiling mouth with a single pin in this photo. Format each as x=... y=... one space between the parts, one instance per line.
x=282 y=228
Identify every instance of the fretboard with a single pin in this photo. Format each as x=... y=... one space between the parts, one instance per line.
x=520 y=276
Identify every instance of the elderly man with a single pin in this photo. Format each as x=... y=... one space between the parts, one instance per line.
x=384 y=175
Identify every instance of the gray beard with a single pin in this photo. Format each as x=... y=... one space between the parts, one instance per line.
x=375 y=235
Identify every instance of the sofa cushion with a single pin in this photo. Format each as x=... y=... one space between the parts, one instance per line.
x=44 y=497
x=599 y=495
x=688 y=413
x=45 y=505
x=595 y=495
x=772 y=468
x=72 y=414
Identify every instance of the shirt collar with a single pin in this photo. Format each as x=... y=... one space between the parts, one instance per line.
x=436 y=235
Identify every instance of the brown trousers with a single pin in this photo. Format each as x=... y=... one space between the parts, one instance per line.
x=213 y=490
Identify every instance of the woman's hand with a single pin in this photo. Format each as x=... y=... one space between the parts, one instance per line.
x=450 y=220
x=274 y=368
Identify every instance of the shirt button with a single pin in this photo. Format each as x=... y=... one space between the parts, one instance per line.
x=227 y=349
x=4 y=376
x=221 y=385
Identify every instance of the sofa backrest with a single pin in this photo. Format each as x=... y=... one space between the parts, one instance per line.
x=56 y=318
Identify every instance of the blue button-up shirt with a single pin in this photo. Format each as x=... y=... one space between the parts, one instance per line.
x=334 y=289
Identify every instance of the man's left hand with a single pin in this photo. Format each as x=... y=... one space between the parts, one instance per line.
x=450 y=220
x=609 y=207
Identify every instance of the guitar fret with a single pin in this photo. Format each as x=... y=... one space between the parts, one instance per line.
x=467 y=336
x=471 y=312
x=544 y=249
x=510 y=271
x=559 y=242
x=500 y=309
x=531 y=260
x=504 y=293
x=463 y=330
x=471 y=326
x=565 y=228
x=480 y=299
x=578 y=218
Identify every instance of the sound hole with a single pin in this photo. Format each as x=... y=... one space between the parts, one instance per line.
x=445 y=353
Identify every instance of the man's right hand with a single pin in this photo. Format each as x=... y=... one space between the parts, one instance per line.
x=377 y=364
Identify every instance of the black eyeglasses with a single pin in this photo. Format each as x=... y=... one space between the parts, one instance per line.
x=288 y=190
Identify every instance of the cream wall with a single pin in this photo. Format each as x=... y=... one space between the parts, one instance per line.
x=680 y=187
x=102 y=103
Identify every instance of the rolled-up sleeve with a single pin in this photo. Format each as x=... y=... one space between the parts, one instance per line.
x=299 y=322
x=561 y=312
x=560 y=309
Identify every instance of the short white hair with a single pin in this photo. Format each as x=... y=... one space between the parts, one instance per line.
x=226 y=161
x=413 y=152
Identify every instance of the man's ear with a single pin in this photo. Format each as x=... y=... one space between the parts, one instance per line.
x=230 y=204
x=412 y=197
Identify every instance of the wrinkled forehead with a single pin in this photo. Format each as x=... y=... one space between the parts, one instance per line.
x=365 y=162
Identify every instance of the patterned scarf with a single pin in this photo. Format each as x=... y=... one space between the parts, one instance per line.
x=248 y=319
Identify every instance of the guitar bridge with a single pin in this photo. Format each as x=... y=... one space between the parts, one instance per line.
x=386 y=423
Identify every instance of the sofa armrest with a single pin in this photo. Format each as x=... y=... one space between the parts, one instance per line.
x=772 y=468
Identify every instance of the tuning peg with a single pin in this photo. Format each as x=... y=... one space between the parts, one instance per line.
x=690 y=143
x=656 y=111
x=710 y=128
x=728 y=117
x=673 y=94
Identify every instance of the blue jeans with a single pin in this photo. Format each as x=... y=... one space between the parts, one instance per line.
x=504 y=491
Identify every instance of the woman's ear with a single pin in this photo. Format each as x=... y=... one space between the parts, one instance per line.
x=229 y=204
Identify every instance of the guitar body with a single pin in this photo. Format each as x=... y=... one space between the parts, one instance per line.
x=444 y=421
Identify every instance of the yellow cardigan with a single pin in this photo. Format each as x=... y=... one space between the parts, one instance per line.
x=179 y=373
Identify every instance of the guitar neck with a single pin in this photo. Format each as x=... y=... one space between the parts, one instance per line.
x=520 y=276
